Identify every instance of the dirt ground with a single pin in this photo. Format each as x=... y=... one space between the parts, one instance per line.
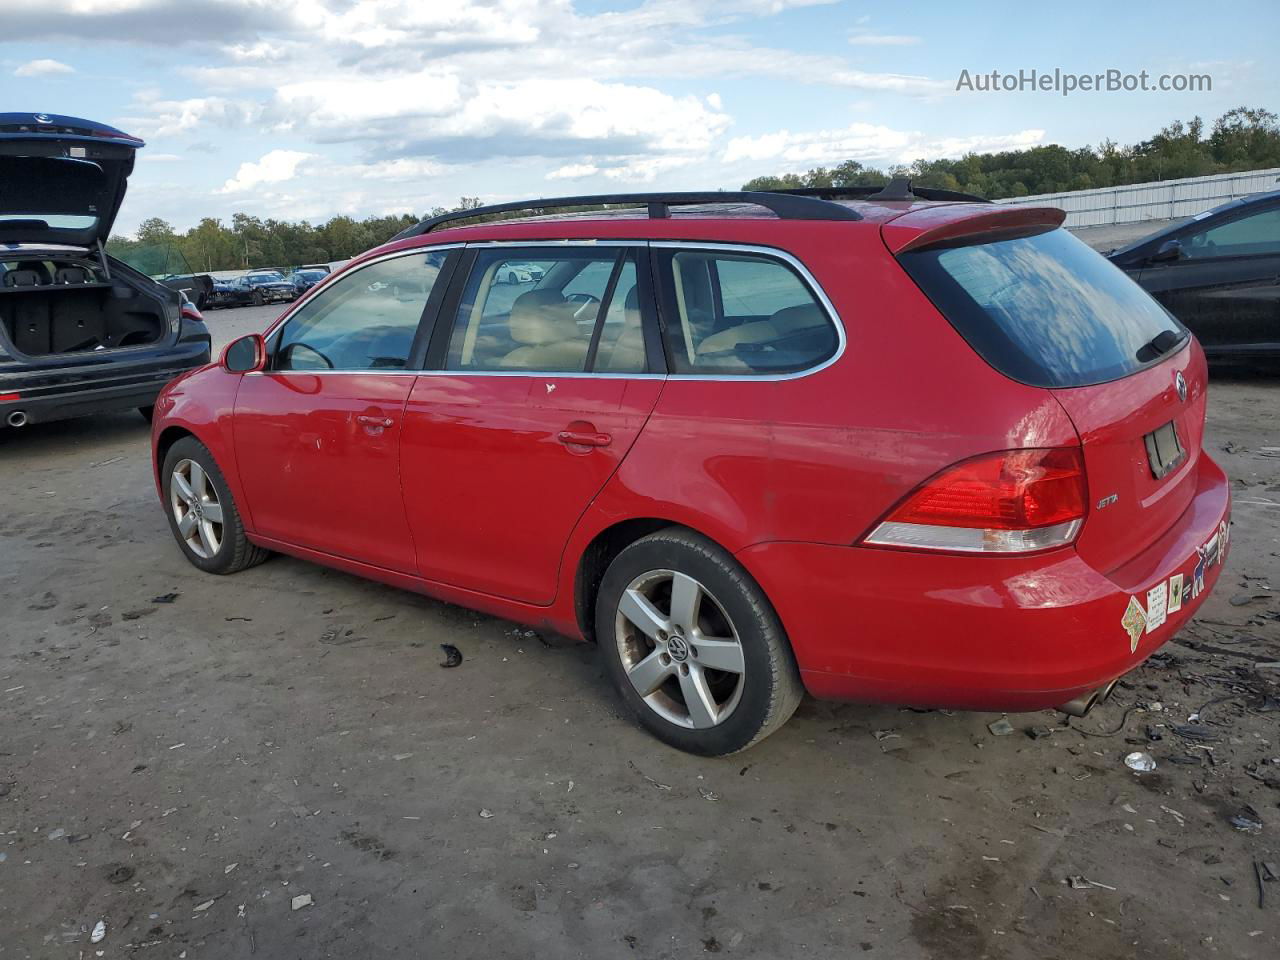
x=181 y=756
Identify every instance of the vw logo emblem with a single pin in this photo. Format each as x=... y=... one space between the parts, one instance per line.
x=43 y=118
x=1180 y=384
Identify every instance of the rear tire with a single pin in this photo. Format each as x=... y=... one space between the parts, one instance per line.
x=670 y=606
x=258 y=298
x=202 y=512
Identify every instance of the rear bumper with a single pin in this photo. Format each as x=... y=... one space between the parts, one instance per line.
x=56 y=393
x=988 y=633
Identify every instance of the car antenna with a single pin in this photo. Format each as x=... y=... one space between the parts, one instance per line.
x=898 y=188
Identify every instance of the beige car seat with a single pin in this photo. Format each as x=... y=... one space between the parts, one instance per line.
x=542 y=322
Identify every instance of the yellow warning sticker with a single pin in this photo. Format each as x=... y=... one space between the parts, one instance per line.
x=1175 y=593
x=1134 y=622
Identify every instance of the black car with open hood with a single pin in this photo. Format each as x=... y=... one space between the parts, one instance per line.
x=80 y=331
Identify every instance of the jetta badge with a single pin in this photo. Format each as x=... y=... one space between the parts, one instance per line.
x=1180 y=384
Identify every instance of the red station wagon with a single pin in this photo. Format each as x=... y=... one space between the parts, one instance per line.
x=897 y=446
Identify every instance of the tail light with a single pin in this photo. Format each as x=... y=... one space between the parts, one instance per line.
x=1013 y=501
x=190 y=312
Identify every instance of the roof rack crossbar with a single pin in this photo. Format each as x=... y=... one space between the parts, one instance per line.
x=879 y=193
x=658 y=205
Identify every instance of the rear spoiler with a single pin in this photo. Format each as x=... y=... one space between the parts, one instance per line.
x=963 y=223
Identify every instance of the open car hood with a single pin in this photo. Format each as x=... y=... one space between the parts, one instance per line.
x=62 y=179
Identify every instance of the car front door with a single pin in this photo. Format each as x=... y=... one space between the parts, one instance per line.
x=317 y=433
x=1225 y=286
x=536 y=390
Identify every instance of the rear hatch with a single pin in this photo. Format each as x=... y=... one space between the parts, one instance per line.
x=62 y=179
x=1042 y=308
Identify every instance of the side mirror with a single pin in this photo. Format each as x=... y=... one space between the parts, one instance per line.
x=1167 y=251
x=246 y=355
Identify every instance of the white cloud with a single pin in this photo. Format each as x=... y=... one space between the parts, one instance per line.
x=861 y=39
x=867 y=143
x=274 y=167
x=42 y=68
x=573 y=171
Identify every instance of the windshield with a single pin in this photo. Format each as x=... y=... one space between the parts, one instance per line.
x=260 y=278
x=1045 y=309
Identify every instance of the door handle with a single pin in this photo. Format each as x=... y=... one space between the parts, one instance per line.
x=369 y=421
x=584 y=438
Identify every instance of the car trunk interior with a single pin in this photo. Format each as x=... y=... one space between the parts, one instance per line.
x=48 y=308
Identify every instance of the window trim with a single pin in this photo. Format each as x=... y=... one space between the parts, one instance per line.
x=807 y=278
x=417 y=349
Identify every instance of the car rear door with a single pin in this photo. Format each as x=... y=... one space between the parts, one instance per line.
x=317 y=433
x=539 y=388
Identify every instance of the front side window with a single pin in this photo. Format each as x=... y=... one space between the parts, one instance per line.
x=741 y=314
x=1258 y=235
x=550 y=310
x=365 y=320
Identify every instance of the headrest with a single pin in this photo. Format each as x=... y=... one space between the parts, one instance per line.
x=21 y=278
x=797 y=318
x=38 y=267
x=71 y=275
x=633 y=299
x=542 y=316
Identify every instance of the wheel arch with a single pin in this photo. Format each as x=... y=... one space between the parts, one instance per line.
x=601 y=551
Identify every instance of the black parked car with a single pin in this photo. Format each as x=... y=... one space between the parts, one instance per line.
x=223 y=294
x=1218 y=273
x=80 y=332
x=305 y=278
x=264 y=286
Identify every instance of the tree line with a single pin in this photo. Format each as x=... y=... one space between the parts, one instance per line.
x=1245 y=138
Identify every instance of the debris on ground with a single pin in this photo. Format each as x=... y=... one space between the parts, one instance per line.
x=99 y=932
x=1247 y=820
x=1039 y=733
x=1001 y=727
x=1078 y=882
x=708 y=794
x=166 y=598
x=302 y=900
x=452 y=655
x=486 y=814
x=1139 y=761
x=119 y=873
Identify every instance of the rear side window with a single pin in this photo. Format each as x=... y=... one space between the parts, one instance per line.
x=550 y=310
x=1045 y=310
x=741 y=314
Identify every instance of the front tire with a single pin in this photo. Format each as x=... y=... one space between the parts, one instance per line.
x=693 y=645
x=202 y=513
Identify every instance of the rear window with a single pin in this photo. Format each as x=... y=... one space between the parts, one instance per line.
x=1045 y=309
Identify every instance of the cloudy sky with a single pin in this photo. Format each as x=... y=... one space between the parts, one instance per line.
x=307 y=108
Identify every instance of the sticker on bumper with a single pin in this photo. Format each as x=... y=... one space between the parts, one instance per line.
x=1175 y=593
x=1134 y=622
x=1157 y=605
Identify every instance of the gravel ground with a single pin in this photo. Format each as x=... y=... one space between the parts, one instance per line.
x=181 y=756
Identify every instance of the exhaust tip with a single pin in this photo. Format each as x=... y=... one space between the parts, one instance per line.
x=1082 y=704
x=18 y=418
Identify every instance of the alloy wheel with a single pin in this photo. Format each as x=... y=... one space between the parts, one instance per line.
x=679 y=649
x=197 y=510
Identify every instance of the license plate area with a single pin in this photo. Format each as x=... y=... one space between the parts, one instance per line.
x=1164 y=450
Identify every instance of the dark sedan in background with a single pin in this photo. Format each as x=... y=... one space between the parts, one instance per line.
x=306 y=278
x=1219 y=273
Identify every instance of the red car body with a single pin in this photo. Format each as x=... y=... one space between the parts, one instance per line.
x=462 y=487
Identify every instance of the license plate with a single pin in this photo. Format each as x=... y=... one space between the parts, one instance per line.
x=1164 y=451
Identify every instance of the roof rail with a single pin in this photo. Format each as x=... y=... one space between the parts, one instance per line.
x=882 y=193
x=787 y=206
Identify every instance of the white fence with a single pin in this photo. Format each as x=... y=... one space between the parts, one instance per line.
x=1161 y=200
